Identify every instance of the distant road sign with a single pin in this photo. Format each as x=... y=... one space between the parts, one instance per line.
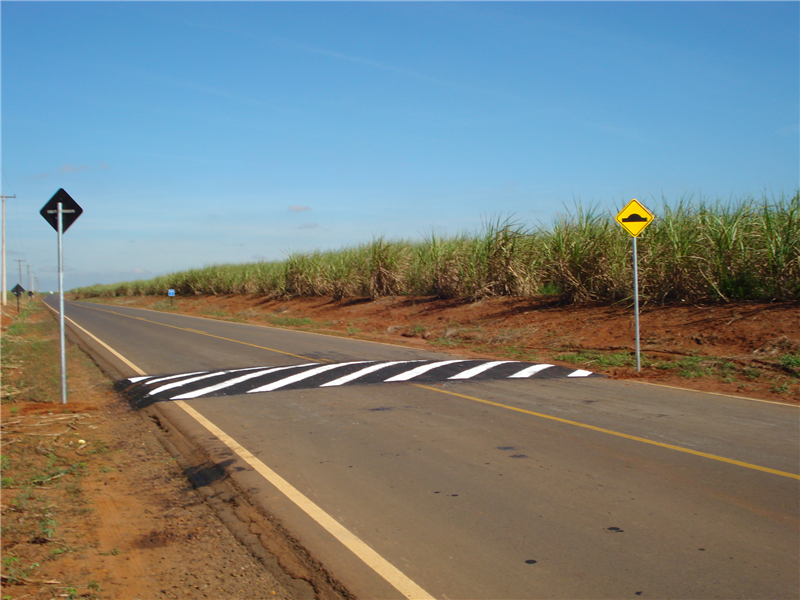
x=18 y=290
x=170 y=292
x=70 y=210
x=634 y=218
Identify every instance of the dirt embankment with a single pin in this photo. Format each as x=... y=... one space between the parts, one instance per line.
x=737 y=348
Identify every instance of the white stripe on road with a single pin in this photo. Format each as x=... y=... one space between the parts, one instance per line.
x=580 y=373
x=183 y=382
x=528 y=371
x=365 y=371
x=420 y=370
x=304 y=375
x=232 y=382
x=160 y=379
x=469 y=373
x=375 y=561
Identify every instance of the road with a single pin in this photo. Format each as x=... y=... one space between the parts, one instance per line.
x=540 y=487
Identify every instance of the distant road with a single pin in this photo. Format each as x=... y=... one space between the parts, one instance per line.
x=568 y=487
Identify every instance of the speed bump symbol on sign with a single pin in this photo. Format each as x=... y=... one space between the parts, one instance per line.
x=634 y=218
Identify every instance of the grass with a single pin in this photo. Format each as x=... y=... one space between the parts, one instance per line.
x=289 y=321
x=597 y=358
x=695 y=250
x=790 y=360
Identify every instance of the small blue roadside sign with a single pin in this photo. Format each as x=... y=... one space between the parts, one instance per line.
x=171 y=293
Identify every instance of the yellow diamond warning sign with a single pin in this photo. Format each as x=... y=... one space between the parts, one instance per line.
x=634 y=218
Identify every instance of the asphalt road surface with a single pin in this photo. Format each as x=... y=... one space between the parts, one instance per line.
x=480 y=488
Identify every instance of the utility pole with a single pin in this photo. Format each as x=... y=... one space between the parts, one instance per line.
x=20 y=261
x=30 y=282
x=4 y=300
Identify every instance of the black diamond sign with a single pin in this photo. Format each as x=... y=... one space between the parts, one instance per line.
x=18 y=290
x=70 y=210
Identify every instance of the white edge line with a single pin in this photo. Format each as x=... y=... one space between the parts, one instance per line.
x=720 y=394
x=136 y=369
x=375 y=561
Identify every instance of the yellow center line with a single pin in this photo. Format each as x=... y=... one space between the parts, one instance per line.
x=206 y=334
x=615 y=433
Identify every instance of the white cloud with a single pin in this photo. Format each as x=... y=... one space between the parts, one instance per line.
x=297 y=208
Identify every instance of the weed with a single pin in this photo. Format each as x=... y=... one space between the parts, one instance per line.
x=7 y=482
x=289 y=321
x=78 y=469
x=417 y=330
x=73 y=489
x=781 y=388
x=14 y=572
x=751 y=373
x=48 y=527
x=693 y=366
x=99 y=447
x=93 y=585
x=790 y=360
x=597 y=358
x=20 y=503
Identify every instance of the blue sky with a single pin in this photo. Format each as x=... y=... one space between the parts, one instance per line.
x=197 y=133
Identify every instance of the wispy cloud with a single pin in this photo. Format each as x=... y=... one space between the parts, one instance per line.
x=385 y=67
x=68 y=168
x=308 y=226
x=298 y=208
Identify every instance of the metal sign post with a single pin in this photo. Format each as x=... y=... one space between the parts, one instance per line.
x=61 y=211
x=634 y=219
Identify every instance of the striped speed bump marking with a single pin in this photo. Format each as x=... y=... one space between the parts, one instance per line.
x=232 y=382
